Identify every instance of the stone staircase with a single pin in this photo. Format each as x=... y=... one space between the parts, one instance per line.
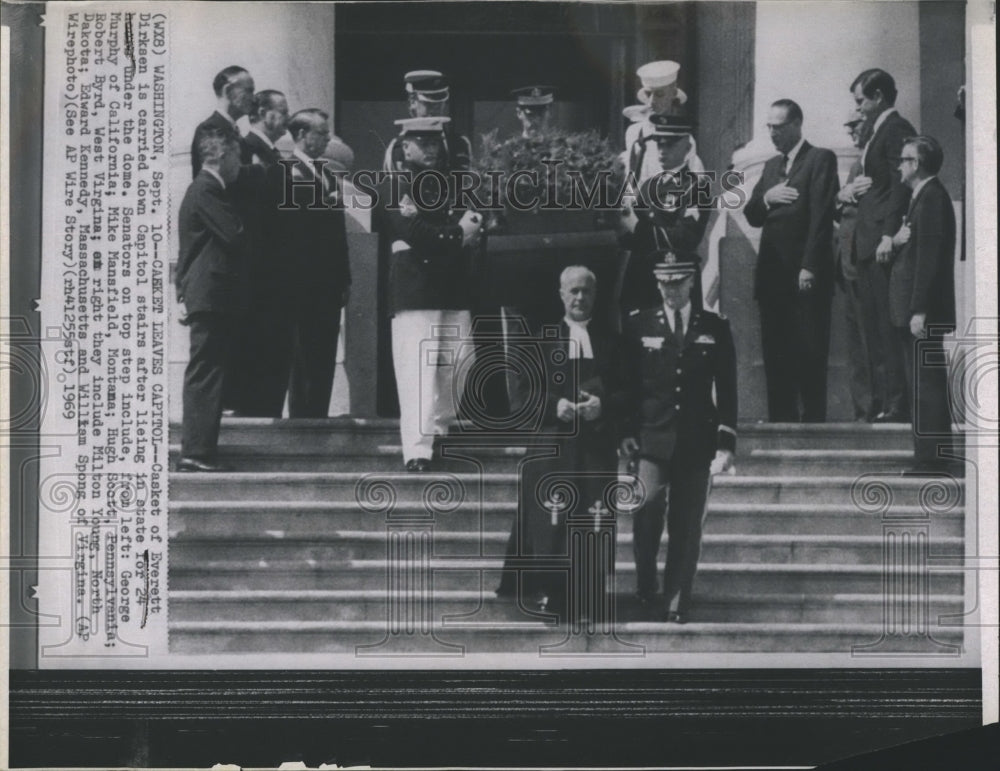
x=816 y=544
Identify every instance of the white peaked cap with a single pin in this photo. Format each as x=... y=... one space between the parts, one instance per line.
x=658 y=74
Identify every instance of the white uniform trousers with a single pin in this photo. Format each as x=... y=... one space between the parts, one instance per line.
x=432 y=353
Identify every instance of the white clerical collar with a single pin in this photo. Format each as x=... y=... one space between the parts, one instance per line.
x=226 y=115
x=685 y=316
x=795 y=151
x=216 y=174
x=263 y=136
x=881 y=119
x=920 y=186
x=579 y=334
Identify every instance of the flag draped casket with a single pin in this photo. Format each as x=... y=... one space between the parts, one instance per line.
x=520 y=268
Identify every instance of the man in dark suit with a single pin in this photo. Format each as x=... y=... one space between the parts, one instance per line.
x=268 y=124
x=860 y=363
x=922 y=297
x=575 y=438
x=310 y=242
x=263 y=345
x=233 y=88
x=882 y=199
x=794 y=204
x=675 y=357
x=211 y=283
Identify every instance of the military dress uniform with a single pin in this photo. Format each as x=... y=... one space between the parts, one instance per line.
x=431 y=88
x=429 y=297
x=668 y=214
x=669 y=407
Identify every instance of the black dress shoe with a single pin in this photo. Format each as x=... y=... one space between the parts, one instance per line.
x=891 y=417
x=197 y=464
x=674 y=617
x=418 y=465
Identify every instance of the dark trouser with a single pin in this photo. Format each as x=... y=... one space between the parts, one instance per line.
x=860 y=364
x=888 y=375
x=795 y=336
x=316 y=326
x=687 y=480
x=926 y=371
x=265 y=349
x=204 y=383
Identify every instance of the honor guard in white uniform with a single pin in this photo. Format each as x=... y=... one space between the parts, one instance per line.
x=534 y=107
x=428 y=96
x=659 y=95
x=430 y=255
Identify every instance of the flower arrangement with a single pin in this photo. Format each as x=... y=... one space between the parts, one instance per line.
x=549 y=171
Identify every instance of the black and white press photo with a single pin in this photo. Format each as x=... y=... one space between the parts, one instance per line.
x=503 y=336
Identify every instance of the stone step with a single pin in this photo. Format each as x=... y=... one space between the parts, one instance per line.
x=635 y=639
x=189 y=550
x=330 y=434
x=388 y=458
x=374 y=458
x=466 y=573
x=378 y=489
x=462 y=607
x=305 y=519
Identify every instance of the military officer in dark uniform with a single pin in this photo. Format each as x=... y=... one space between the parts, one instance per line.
x=428 y=96
x=676 y=355
x=429 y=288
x=533 y=105
x=666 y=214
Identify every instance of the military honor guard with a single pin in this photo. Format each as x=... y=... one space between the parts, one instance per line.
x=659 y=95
x=533 y=105
x=679 y=422
x=428 y=96
x=429 y=285
x=665 y=215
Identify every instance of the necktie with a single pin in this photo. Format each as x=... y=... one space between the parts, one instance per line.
x=679 y=328
x=784 y=166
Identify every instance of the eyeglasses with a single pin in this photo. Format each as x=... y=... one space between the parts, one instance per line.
x=908 y=159
x=777 y=126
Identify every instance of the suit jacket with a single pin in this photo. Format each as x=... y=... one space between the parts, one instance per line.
x=666 y=400
x=211 y=268
x=218 y=122
x=923 y=272
x=429 y=269
x=847 y=215
x=260 y=151
x=881 y=209
x=309 y=235
x=800 y=234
